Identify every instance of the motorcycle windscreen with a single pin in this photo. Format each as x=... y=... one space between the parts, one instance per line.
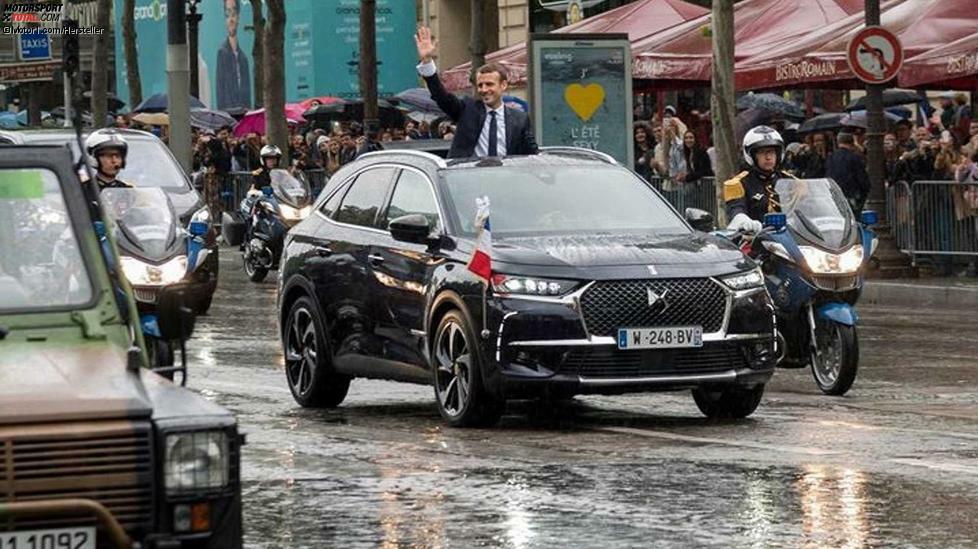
x=145 y=217
x=817 y=210
x=291 y=190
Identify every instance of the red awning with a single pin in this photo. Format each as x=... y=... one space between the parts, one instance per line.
x=638 y=20
x=685 y=52
x=953 y=66
x=819 y=59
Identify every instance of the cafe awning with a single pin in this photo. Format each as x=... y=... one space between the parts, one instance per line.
x=683 y=55
x=952 y=66
x=818 y=59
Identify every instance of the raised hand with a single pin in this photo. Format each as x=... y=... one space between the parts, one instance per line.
x=426 y=46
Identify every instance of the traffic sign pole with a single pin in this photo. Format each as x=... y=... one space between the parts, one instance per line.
x=891 y=263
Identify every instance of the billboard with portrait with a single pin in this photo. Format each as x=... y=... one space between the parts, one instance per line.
x=322 y=49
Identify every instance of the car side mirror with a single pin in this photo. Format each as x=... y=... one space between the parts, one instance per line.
x=175 y=316
x=412 y=228
x=701 y=220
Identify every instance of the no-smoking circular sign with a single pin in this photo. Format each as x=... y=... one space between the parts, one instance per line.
x=875 y=55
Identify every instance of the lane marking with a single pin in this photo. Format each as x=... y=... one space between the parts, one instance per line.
x=804 y=450
x=937 y=465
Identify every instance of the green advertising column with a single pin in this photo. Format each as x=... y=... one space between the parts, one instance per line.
x=581 y=92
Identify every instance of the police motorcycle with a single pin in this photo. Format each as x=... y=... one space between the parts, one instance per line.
x=265 y=218
x=814 y=255
x=156 y=254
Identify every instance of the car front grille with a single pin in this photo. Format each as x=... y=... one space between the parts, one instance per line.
x=834 y=283
x=109 y=462
x=609 y=305
x=605 y=362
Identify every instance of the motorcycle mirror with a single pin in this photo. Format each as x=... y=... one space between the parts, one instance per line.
x=175 y=317
x=198 y=228
x=870 y=217
x=777 y=221
x=701 y=220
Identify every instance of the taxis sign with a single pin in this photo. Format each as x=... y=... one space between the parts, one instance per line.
x=34 y=45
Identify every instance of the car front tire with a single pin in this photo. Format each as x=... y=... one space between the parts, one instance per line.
x=457 y=366
x=308 y=359
x=728 y=402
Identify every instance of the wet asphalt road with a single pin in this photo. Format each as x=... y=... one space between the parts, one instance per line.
x=894 y=463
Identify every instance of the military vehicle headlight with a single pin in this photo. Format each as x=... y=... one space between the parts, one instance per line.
x=196 y=461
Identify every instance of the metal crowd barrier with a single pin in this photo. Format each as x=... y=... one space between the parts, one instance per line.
x=697 y=194
x=236 y=185
x=934 y=218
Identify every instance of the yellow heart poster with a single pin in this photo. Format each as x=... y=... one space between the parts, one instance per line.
x=584 y=100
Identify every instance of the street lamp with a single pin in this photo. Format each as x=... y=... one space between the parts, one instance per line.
x=193 y=24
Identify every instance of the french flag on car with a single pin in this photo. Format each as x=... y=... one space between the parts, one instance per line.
x=481 y=262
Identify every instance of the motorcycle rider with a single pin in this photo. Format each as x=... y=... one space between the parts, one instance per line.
x=107 y=152
x=750 y=194
x=271 y=156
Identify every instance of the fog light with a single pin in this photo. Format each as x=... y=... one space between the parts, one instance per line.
x=181 y=518
x=200 y=517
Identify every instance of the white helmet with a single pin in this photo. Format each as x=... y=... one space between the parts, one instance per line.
x=759 y=138
x=269 y=151
x=102 y=140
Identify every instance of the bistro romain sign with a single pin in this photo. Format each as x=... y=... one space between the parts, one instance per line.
x=805 y=70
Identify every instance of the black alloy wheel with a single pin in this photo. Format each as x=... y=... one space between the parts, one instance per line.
x=307 y=359
x=835 y=358
x=462 y=399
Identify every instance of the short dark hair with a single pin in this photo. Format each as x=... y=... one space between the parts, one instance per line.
x=494 y=67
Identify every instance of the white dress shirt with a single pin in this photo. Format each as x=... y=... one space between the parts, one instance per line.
x=482 y=146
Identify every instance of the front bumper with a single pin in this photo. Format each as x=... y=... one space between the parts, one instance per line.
x=542 y=345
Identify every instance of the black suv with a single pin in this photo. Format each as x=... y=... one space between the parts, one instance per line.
x=598 y=286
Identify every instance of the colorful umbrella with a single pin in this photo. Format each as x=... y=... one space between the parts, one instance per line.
x=152 y=118
x=254 y=121
x=321 y=100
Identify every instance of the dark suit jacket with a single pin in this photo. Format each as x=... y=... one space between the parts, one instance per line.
x=230 y=92
x=469 y=115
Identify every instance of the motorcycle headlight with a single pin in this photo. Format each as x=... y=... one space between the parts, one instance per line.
x=506 y=284
x=294 y=214
x=822 y=262
x=139 y=273
x=195 y=461
x=744 y=281
x=201 y=216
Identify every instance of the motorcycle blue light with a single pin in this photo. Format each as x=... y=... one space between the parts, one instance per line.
x=267 y=191
x=870 y=217
x=775 y=220
x=198 y=228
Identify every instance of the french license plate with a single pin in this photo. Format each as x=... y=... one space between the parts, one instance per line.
x=673 y=337
x=50 y=538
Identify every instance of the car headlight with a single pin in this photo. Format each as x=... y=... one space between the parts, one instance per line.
x=744 y=281
x=822 y=262
x=144 y=274
x=507 y=284
x=294 y=214
x=201 y=216
x=195 y=461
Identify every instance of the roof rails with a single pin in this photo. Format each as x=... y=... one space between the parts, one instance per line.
x=579 y=152
x=420 y=154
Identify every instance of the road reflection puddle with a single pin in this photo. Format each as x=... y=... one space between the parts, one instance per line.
x=833 y=506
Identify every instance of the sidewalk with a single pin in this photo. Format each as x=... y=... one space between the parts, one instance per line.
x=950 y=292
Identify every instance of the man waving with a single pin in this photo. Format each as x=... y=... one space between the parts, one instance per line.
x=485 y=127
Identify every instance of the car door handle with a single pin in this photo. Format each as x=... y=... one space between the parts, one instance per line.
x=375 y=259
x=324 y=251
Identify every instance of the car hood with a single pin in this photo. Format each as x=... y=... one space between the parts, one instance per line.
x=46 y=382
x=616 y=250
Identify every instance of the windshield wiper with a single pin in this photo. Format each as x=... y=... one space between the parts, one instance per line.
x=809 y=225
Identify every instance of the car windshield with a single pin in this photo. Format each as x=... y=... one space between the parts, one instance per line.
x=555 y=200
x=148 y=163
x=145 y=216
x=816 y=208
x=41 y=265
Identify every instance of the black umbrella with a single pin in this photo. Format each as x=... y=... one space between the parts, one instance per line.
x=823 y=123
x=891 y=98
x=771 y=103
x=159 y=103
x=211 y=120
x=352 y=109
x=113 y=102
x=418 y=100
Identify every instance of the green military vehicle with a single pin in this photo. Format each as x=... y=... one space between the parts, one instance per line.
x=96 y=450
